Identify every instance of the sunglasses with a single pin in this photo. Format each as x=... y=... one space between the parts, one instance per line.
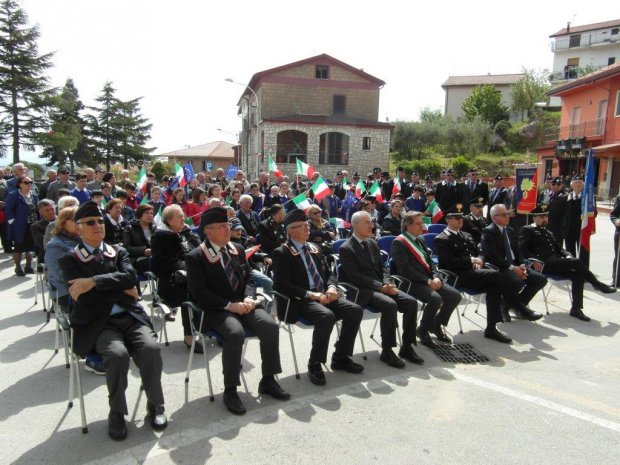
x=28 y=182
x=92 y=222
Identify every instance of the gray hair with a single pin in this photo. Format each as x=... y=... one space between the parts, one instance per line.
x=45 y=203
x=495 y=209
x=358 y=216
x=169 y=212
x=409 y=218
x=67 y=199
x=246 y=197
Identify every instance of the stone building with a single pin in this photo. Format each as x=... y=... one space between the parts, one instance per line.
x=319 y=110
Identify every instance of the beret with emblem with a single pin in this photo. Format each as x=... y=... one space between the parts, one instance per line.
x=294 y=216
x=455 y=212
x=556 y=182
x=541 y=209
x=87 y=209
x=477 y=202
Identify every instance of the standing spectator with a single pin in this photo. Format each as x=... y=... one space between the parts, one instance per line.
x=572 y=220
x=63 y=182
x=80 y=191
x=95 y=184
x=21 y=212
x=475 y=188
x=19 y=170
x=6 y=244
x=51 y=177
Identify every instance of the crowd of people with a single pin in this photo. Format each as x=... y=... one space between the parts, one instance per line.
x=216 y=242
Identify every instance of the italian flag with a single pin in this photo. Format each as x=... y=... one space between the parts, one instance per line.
x=274 y=168
x=436 y=212
x=180 y=175
x=157 y=220
x=396 y=186
x=320 y=189
x=142 y=180
x=345 y=183
x=144 y=200
x=360 y=189
x=375 y=191
x=302 y=202
x=306 y=170
x=251 y=251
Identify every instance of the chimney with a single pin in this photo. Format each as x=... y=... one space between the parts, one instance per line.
x=568 y=27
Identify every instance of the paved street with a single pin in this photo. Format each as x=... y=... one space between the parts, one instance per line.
x=550 y=397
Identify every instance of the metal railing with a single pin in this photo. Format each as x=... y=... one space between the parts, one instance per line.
x=595 y=127
x=586 y=40
x=334 y=157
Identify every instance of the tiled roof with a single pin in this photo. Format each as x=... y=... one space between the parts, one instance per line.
x=496 y=79
x=588 y=78
x=587 y=27
x=327 y=120
x=217 y=149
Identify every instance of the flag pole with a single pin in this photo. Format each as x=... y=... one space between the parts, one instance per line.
x=617 y=260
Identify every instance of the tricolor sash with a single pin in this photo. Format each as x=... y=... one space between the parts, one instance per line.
x=418 y=252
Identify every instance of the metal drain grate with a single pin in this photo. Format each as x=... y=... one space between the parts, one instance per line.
x=459 y=353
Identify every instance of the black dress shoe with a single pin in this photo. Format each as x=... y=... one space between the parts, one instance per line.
x=346 y=363
x=157 y=417
x=425 y=338
x=29 y=270
x=169 y=317
x=316 y=375
x=268 y=385
x=233 y=403
x=496 y=334
x=528 y=314
x=440 y=335
x=388 y=356
x=407 y=352
x=605 y=289
x=197 y=348
x=505 y=313
x=19 y=271
x=578 y=313
x=117 y=429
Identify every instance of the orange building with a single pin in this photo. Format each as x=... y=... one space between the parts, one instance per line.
x=590 y=120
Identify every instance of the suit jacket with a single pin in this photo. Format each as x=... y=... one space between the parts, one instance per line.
x=493 y=247
x=134 y=240
x=448 y=195
x=481 y=189
x=557 y=211
x=475 y=226
x=455 y=251
x=291 y=278
x=208 y=284
x=571 y=222
x=496 y=196
x=539 y=243
x=249 y=224
x=91 y=311
x=404 y=263
x=272 y=235
x=364 y=270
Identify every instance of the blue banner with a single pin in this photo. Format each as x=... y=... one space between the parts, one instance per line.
x=188 y=171
x=231 y=171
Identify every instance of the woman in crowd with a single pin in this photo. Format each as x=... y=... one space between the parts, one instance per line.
x=115 y=224
x=322 y=232
x=137 y=238
x=169 y=245
x=194 y=209
x=235 y=195
x=106 y=188
x=179 y=198
x=393 y=220
x=157 y=202
x=214 y=192
x=21 y=211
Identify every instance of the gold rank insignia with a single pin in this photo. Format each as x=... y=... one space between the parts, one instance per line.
x=459 y=207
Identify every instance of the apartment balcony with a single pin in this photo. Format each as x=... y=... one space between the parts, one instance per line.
x=584 y=40
x=590 y=129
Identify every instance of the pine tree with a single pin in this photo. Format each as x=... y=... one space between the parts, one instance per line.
x=106 y=127
x=136 y=133
x=25 y=93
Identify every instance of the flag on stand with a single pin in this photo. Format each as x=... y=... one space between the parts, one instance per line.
x=320 y=189
x=301 y=201
x=588 y=225
x=274 y=168
x=360 y=189
x=157 y=220
x=141 y=183
x=396 y=187
x=375 y=191
x=306 y=170
x=436 y=212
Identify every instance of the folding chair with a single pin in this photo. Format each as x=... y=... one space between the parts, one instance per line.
x=385 y=243
x=429 y=238
x=56 y=309
x=556 y=280
x=158 y=307
x=198 y=335
x=436 y=228
x=39 y=286
x=470 y=295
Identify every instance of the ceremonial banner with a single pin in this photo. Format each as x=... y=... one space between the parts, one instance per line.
x=588 y=225
x=526 y=184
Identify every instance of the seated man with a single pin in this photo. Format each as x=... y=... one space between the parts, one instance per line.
x=362 y=267
x=105 y=316
x=47 y=212
x=458 y=253
x=301 y=273
x=272 y=234
x=536 y=241
x=499 y=247
x=411 y=258
x=217 y=276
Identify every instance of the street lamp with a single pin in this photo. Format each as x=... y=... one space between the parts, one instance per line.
x=257 y=114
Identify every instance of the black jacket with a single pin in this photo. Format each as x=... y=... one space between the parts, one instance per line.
x=407 y=265
x=493 y=247
x=391 y=225
x=455 y=251
x=114 y=232
x=134 y=240
x=272 y=235
x=249 y=224
x=539 y=243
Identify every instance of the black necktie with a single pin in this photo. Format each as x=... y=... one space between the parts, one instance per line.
x=230 y=269
x=507 y=251
x=98 y=253
x=316 y=277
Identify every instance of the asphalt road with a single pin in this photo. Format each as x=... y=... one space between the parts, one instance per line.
x=550 y=397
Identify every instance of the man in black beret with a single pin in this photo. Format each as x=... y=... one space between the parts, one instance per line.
x=272 y=233
x=219 y=282
x=301 y=273
x=448 y=192
x=106 y=316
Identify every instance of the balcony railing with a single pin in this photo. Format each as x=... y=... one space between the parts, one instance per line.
x=591 y=128
x=586 y=40
x=334 y=157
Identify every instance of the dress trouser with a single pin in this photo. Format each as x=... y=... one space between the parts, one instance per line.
x=495 y=287
x=124 y=336
x=528 y=287
x=616 y=278
x=439 y=304
x=323 y=317
x=233 y=334
x=389 y=306
x=576 y=271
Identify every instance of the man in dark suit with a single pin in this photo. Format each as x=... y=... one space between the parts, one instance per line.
x=511 y=202
x=475 y=188
x=301 y=273
x=218 y=275
x=47 y=212
x=106 y=316
x=475 y=222
x=222 y=283
x=499 y=247
x=458 y=253
x=556 y=207
x=362 y=267
x=571 y=224
x=537 y=242
x=272 y=233
x=340 y=189
x=411 y=258
x=497 y=194
x=249 y=218
x=448 y=192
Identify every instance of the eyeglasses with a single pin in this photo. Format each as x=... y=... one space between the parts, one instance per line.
x=27 y=182
x=221 y=225
x=92 y=223
x=502 y=214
